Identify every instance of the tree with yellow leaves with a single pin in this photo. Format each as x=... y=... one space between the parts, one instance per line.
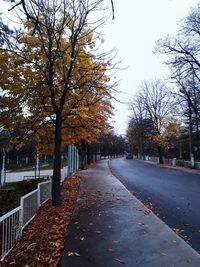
x=52 y=68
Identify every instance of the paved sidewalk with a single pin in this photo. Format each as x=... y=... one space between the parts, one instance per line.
x=111 y=228
x=169 y=166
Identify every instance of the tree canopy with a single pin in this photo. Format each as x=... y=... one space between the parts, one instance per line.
x=51 y=69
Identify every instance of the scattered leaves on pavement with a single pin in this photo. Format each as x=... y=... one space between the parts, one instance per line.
x=43 y=239
x=179 y=232
x=73 y=253
x=134 y=193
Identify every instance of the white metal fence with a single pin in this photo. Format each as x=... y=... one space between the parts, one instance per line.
x=13 y=222
x=64 y=173
x=73 y=159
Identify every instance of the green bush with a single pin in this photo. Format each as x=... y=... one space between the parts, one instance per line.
x=10 y=194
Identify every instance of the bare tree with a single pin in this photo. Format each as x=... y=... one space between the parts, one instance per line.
x=183 y=58
x=138 y=125
x=158 y=103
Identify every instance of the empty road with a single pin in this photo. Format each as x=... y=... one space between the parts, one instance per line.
x=173 y=195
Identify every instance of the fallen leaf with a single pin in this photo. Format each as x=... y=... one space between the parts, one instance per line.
x=57 y=243
x=73 y=253
x=77 y=254
x=120 y=261
x=110 y=250
x=70 y=253
x=134 y=193
x=98 y=232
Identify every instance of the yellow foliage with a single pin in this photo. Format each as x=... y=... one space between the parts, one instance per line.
x=87 y=107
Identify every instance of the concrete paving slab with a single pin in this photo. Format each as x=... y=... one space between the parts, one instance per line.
x=111 y=227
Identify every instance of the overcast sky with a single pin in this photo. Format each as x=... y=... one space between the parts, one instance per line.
x=138 y=24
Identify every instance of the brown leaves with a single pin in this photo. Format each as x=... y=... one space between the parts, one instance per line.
x=43 y=239
x=134 y=193
x=179 y=232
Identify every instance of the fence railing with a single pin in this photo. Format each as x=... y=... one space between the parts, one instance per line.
x=11 y=227
x=64 y=173
x=13 y=222
x=175 y=162
x=73 y=160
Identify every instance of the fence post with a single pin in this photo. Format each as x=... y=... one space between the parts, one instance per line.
x=72 y=159
x=69 y=160
x=21 y=215
x=75 y=159
x=38 y=196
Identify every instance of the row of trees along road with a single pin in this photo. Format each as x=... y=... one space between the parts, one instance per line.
x=182 y=103
x=54 y=81
x=152 y=124
x=112 y=145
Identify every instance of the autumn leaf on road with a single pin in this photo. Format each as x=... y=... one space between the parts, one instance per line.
x=73 y=253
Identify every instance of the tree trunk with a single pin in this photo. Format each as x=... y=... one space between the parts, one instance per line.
x=88 y=154
x=56 y=200
x=191 y=137
x=83 y=154
x=160 y=155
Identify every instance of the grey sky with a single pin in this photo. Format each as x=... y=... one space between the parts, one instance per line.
x=137 y=26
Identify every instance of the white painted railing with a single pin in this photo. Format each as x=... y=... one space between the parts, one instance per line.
x=10 y=230
x=64 y=173
x=29 y=204
x=13 y=222
x=73 y=160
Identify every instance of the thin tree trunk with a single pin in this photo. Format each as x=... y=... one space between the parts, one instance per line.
x=191 y=137
x=83 y=154
x=56 y=200
x=160 y=155
x=88 y=154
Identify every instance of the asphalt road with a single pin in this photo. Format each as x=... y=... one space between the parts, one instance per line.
x=173 y=195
